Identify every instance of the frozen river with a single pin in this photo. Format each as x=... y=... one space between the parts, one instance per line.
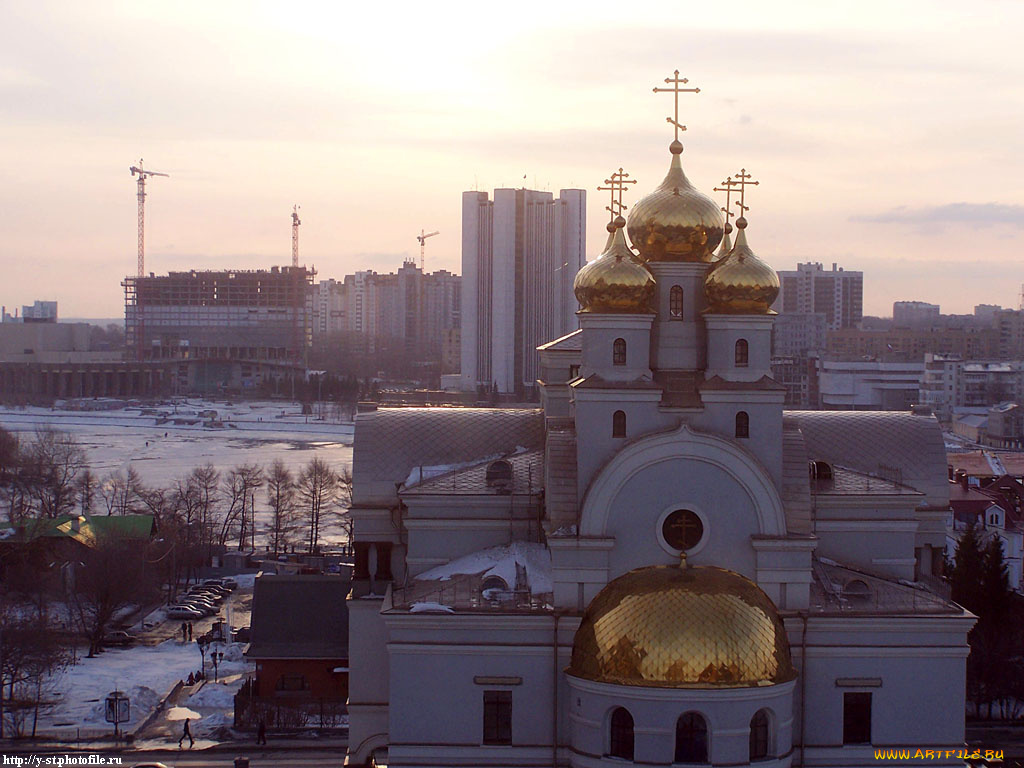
x=126 y=435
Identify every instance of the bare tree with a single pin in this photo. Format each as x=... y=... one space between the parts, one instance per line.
x=112 y=576
x=240 y=486
x=86 y=487
x=51 y=465
x=317 y=488
x=281 y=498
x=122 y=493
x=343 y=503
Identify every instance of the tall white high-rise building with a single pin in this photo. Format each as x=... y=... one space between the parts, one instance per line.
x=520 y=254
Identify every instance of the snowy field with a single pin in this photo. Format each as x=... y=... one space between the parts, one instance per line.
x=120 y=435
x=129 y=435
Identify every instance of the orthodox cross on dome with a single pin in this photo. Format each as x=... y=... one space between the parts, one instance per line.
x=676 y=81
x=742 y=179
x=616 y=185
x=728 y=186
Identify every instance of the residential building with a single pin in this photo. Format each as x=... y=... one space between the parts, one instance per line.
x=837 y=293
x=950 y=382
x=913 y=343
x=914 y=314
x=520 y=254
x=868 y=385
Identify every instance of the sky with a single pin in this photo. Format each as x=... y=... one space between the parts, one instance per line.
x=886 y=136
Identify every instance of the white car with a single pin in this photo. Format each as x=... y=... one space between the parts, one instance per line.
x=183 y=612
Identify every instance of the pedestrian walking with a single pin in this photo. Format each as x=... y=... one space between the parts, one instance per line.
x=186 y=734
x=190 y=631
x=184 y=632
x=261 y=732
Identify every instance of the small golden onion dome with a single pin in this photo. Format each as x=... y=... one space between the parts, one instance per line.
x=675 y=222
x=726 y=246
x=682 y=627
x=740 y=283
x=615 y=281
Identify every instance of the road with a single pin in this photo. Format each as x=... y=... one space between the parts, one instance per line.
x=222 y=757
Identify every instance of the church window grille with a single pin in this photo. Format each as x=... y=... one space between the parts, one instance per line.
x=619 y=424
x=760 y=733
x=742 y=353
x=619 y=352
x=620 y=743
x=497 y=717
x=742 y=424
x=691 y=739
x=682 y=529
x=857 y=717
x=675 y=303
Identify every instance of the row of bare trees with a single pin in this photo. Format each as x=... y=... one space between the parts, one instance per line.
x=48 y=476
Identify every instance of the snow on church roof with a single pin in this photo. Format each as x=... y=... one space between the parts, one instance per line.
x=514 y=576
x=471 y=478
x=390 y=442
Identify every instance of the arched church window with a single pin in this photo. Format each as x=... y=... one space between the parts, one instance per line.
x=857 y=592
x=691 y=739
x=675 y=303
x=682 y=529
x=742 y=424
x=619 y=424
x=760 y=735
x=619 y=352
x=820 y=470
x=742 y=353
x=620 y=742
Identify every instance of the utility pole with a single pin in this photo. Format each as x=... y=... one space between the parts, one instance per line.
x=142 y=211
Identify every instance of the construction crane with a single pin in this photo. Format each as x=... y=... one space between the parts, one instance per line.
x=142 y=211
x=295 y=235
x=422 y=238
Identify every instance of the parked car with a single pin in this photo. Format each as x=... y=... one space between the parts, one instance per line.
x=118 y=638
x=199 y=608
x=230 y=584
x=242 y=635
x=183 y=612
x=212 y=596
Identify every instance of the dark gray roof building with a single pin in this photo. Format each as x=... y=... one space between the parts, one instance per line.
x=299 y=617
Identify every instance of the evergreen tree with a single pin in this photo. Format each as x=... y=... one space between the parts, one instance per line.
x=968 y=567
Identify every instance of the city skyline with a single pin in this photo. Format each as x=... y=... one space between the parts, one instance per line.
x=888 y=150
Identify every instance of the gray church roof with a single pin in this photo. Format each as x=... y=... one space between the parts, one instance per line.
x=390 y=442
x=902 y=447
x=299 y=617
x=571 y=342
x=527 y=477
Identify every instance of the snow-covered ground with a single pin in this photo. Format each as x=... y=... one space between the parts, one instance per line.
x=254 y=432
x=122 y=435
x=145 y=673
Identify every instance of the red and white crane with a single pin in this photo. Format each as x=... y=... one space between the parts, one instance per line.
x=295 y=235
x=142 y=211
x=422 y=238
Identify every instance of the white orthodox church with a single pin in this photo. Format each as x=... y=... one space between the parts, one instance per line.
x=660 y=566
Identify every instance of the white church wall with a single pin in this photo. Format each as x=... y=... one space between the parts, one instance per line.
x=368 y=684
x=878 y=535
x=679 y=344
x=727 y=712
x=440 y=666
x=764 y=410
x=908 y=665
x=599 y=334
x=724 y=331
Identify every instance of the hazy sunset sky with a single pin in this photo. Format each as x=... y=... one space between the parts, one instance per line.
x=886 y=136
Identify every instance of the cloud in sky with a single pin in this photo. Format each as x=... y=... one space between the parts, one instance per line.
x=976 y=215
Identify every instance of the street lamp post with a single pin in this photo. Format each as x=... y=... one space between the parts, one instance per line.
x=216 y=657
x=203 y=643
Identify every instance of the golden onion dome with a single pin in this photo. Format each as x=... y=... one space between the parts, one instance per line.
x=615 y=281
x=740 y=283
x=677 y=627
x=675 y=222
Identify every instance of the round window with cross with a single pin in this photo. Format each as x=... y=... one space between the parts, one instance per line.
x=682 y=529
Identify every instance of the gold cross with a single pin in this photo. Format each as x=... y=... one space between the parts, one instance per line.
x=684 y=524
x=676 y=81
x=742 y=182
x=616 y=184
x=729 y=185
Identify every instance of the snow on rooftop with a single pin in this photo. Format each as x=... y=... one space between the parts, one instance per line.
x=501 y=561
x=420 y=473
x=428 y=607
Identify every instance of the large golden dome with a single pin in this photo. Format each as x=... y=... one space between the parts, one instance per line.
x=675 y=222
x=615 y=281
x=740 y=283
x=671 y=627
